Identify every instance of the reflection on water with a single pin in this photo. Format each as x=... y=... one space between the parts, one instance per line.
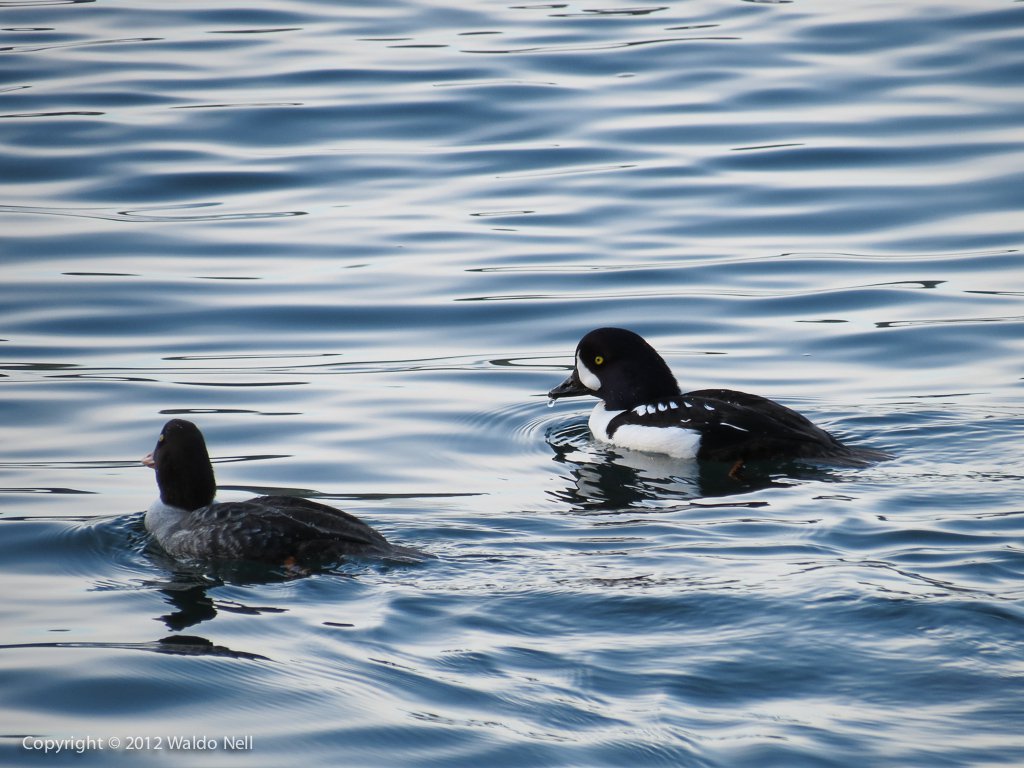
x=192 y=605
x=604 y=479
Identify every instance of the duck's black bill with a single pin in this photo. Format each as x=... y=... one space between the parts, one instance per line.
x=571 y=387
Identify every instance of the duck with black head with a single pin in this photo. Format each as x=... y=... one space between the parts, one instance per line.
x=281 y=530
x=642 y=407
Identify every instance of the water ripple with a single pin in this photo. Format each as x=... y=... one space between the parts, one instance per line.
x=143 y=215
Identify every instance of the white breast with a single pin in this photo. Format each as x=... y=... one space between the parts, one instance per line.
x=162 y=520
x=673 y=441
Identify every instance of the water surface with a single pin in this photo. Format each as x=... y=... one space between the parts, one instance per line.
x=357 y=245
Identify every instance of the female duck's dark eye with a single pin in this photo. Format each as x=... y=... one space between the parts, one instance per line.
x=598 y=360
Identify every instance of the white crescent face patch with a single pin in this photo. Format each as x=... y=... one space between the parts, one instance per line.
x=587 y=376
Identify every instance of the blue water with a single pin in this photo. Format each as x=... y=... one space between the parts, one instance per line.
x=357 y=243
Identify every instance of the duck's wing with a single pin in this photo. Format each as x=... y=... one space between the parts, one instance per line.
x=274 y=529
x=740 y=426
x=734 y=426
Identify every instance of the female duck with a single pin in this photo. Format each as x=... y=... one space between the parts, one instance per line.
x=287 y=530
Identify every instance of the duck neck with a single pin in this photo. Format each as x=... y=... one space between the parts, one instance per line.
x=186 y=483
x=162 y=519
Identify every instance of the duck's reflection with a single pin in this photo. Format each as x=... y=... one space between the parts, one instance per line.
x=608 y=479
x=192 y=606
x=187 y=591
x=192 y=645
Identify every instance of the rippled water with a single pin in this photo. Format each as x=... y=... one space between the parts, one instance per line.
x=357 y=243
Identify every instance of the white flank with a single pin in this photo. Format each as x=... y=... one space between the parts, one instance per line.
x=587 y=376
x=673 y=441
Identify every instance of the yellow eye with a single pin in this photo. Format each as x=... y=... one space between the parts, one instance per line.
x=161 y=438
x=598 y=360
